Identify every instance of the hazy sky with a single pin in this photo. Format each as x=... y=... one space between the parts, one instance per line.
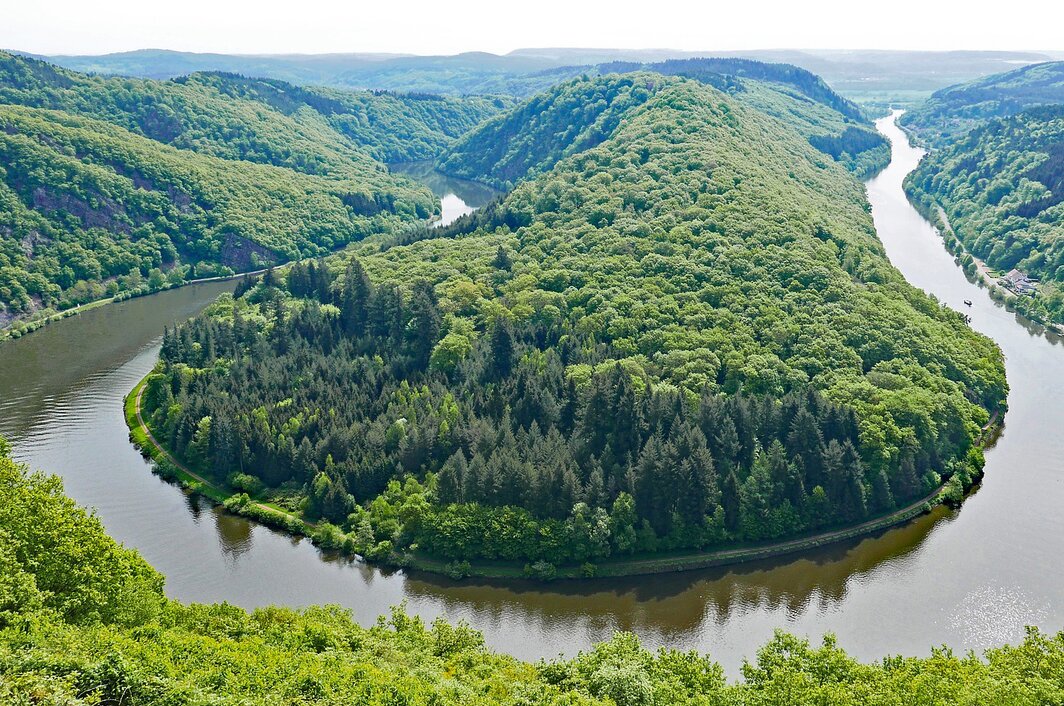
x=422 y=27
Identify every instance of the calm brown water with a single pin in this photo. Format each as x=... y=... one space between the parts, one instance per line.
x=969 y=579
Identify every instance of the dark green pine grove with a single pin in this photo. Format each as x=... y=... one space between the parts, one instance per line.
x=513 y=441
x=113 y=185
x=84 y=621
x=662 y=343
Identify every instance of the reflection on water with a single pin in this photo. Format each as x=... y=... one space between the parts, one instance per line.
x=458 y=197
x=234 y=533
x=970 y=579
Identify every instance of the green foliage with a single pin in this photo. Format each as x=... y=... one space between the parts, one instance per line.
x=575 y=116
x=115 y=185
x=723 y=73
x=392 y=127
x=684 y=346
x=56 y=557
x=133 y=646
x=1002 y=189
x=310 y=130
x=533 y=137
x=951 y=112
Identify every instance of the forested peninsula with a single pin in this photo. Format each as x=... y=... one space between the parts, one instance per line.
x=684 y=337
x=84 y=621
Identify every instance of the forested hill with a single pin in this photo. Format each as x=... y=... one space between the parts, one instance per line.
x=534 y=136
x=309 y=129
x=573 y=116
x=88 y=209
x=951 y=112
x=685 y=337
x=84 y=621
x=720 y=72
x=112 y=185
x=393 y=127
x=1002 y=188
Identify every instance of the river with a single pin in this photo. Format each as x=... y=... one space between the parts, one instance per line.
x=458 y=197
x=970 y=579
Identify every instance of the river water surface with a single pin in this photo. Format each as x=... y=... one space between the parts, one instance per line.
x=458 y=197
x=970 y=579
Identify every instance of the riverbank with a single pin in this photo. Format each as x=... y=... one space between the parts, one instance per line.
x=18 y=328
x=238 y=502
x=975 y=269
x=170 y=468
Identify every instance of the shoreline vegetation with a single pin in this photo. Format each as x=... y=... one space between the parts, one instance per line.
x=111 y=183
x=21 y=327
x=435 y=408
x=975 y=269
x=84 y=620
x=994 y=166
x=236 y=501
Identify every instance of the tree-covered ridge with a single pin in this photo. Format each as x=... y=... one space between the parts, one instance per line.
x=684 y=337
x=89 y=209
x=315 y=131
x=392 y=127
x=99 y=215
x=1002 y=188
x=84 y=621
x=728 y=73
x=852 y=142
x=532 y=137
x=951 y=112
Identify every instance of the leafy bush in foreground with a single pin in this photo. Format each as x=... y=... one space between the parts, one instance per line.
x=139 y=648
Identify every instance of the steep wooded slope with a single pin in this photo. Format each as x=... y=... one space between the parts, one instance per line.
x=571 y=117
x=108 y=181
x=87 y=209
x=261 y=120
x=951 y=112
x=1002 y=188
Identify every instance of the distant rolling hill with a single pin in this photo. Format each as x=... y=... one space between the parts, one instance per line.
x=580 y=114
x=522 y=72
x=953 y=111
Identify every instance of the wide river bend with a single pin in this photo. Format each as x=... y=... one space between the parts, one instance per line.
x=969 y=579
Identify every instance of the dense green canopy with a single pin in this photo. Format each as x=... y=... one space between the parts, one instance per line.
x=687 y=335
x=951 y=112
x=574 y=116
x=88 y=209
x=107 y=182
x=313 y=130
x=1002 y=189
